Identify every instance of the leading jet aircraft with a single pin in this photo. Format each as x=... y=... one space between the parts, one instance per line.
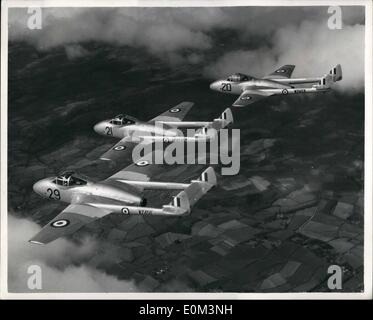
x=278 y=82
x=120 y=193
x=132 y=131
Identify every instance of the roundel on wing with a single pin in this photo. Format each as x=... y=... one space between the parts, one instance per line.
x=142 y=163
x=60 y=223
x=119 y=148
x=175 y=110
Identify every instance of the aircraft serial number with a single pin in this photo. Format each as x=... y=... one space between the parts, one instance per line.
x=226 y=87
x=54 y=194
x=145 y=212
x=109 y=131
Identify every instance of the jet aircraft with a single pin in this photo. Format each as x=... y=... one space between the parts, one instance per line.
x=123 y=192
x=278 y=82
x=120 y=193
x=132 y=131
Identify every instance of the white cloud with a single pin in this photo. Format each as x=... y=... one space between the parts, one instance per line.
x=275 y=36
x=134 y=27
x=63 y=263
x=75 y=51
x=312 y=47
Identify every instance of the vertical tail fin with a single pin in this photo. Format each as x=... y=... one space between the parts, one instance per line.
x=216 y=125
x=180 y=203
x=336 y=73
x=208 y=176
x=227 y=116
x=325 y=81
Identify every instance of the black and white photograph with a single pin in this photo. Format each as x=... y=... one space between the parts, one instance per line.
x=157 y=149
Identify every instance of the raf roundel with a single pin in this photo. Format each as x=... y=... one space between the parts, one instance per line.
x=280 y=71
x=142 y=163
x=119 y=148
x=60 y=223
x=175 y=110
x=125 y=211
x=285 y=91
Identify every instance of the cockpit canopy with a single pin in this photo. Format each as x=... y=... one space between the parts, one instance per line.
x=69 y=178
x=239 y=77
x=122 y=120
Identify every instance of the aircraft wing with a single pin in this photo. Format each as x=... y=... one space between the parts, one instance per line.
x=142 y=170
x=121 y=151
x=67 y=222
x=249 y=97
x=282 y=72
x=176 y=113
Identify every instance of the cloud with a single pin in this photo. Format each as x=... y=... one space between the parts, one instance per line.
x=312 y=47
x=133 y=27
x=75 y=51
x=260 y=38
x=161 y=29
x=64 y=265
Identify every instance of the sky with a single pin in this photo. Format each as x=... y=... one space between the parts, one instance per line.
x=259 y=40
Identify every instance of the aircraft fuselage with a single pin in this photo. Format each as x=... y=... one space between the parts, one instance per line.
x=106 y=128
x=91 y=192
x=238 y=87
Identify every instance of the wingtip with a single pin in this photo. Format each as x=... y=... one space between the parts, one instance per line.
x=189 y=103
x=36 y=242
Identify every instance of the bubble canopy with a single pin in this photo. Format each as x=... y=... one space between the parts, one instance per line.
x=239 y=77
x=69 y=178
x=122 y=120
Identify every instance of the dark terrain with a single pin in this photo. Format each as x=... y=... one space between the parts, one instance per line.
x=295 y=208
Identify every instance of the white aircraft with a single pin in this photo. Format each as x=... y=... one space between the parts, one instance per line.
x=120 y=193
x=278 y=82
x=123 y=191
x=132 y=131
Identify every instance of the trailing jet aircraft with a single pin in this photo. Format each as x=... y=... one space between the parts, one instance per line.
x=120 y=193
x=278 y=82
x=132 y=131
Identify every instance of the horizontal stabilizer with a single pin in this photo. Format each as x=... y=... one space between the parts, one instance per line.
x=198 y=188
x=207 y=180
x=165 y=139
x=213 y=127
x=328 y=79
x=225 y=119
x=185 y=124
x=325 y=82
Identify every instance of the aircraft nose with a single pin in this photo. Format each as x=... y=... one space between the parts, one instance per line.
x=38 y=187
x=214 y=85
x=99 y=127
